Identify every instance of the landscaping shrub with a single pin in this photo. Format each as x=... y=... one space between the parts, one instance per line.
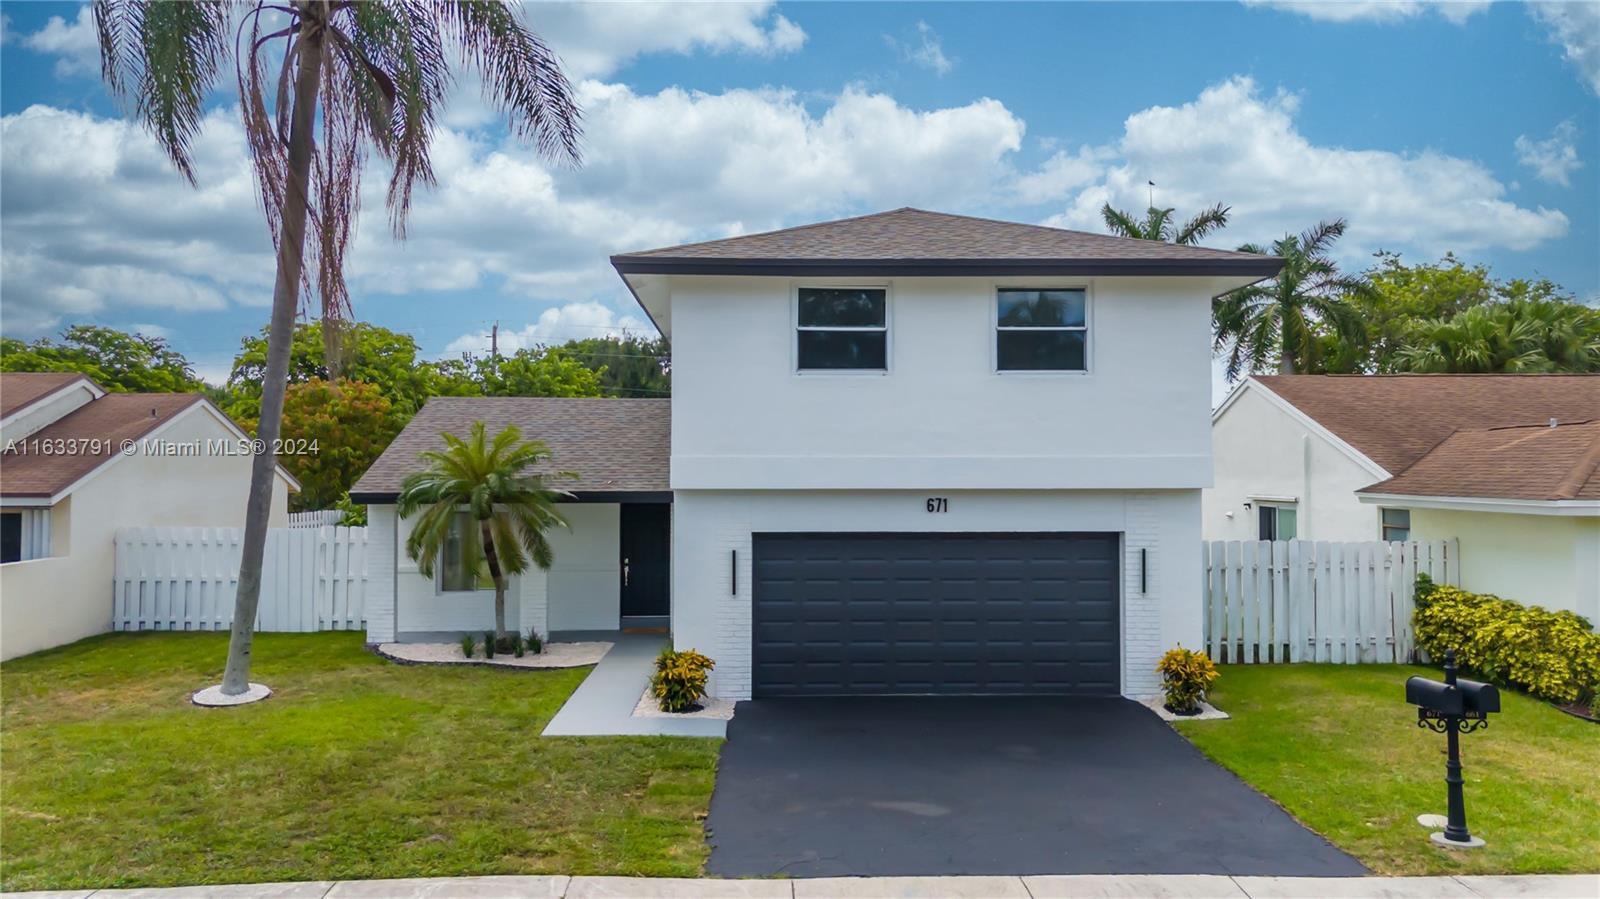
x=1552 y=655
x=680 y=679
x=467 y=645
x=535 y=642
x=516 y=645
x=488 y=644
x=1185 y=676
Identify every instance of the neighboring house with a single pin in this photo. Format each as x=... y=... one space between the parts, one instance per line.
x=909 y=453
x=1423 y=457
x=78 y=464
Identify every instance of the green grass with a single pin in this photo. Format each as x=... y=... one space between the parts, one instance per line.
x=1339 y=748
x=355 y=768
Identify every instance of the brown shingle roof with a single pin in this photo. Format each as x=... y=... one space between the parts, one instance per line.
x=82 y=440
x=1534 y=462
x=915 y=240
x=613 y=444
x=1395 y=419
x=20 y=389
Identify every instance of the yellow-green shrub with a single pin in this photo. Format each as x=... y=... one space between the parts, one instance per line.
x=1552 y=655
x=1185 y=676
x=680 y=679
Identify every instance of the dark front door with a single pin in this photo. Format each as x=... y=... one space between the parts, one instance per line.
x=646 y=559
x=855 y=614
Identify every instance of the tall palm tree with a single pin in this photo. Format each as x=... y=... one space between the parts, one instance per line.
x=1158 y=224
x=378 y=71
x=485 y=495
x=1287 y=315
x=1524 y=335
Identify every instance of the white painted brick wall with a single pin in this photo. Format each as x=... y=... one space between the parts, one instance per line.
x=534 y=603
x=381 y=550
x=1141 y=610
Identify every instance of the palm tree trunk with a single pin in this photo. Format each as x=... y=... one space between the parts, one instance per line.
x=285 y=300
x=493 y=559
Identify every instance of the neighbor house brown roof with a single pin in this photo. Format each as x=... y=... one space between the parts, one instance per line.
x=614 y=445
x=21 y=389
x=1395 y=419
x=54 y=457
x=915 y=241
x=1534 y=462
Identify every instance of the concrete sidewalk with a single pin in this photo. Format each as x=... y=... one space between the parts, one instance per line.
x=1081 y=886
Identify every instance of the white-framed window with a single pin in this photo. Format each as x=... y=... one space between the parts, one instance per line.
x=453 y=574
x=1041 y=329
x=1396 y=524
x=24 y=535
x=1275 y=522
x=842 y=329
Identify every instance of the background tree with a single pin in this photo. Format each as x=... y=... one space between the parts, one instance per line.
x=629 y=365
x=357 y=75
x=1280 y=323
x=1522 y=335
x=534 y=371
x=351 y=423
x=1159 y=225
x=508 y=508
x=116 y=360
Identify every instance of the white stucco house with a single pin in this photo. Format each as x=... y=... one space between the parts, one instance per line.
x=78 y=464
x=906 y=453
x=1506 y=463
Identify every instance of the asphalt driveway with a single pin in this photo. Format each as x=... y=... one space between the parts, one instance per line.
x=962 y=785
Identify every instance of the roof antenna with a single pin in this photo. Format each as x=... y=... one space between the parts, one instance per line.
x=1152 y=193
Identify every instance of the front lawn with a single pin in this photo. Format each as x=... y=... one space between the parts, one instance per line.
x=355 y=768
x=1339 y=748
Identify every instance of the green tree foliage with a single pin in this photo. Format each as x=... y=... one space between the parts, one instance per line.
x=629 y=365
x=508 y=507
x=536 y=371
x=338 y=430
x=1520 y=335
x=117 y=360
x=1159 y=224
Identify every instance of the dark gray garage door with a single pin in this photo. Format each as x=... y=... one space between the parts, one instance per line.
x=851 y=614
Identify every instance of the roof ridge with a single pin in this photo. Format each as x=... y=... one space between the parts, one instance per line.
x=805 y=227
x=1538 y=425
x=1581 y=472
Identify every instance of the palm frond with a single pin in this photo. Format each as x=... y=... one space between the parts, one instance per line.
x=1203 y=223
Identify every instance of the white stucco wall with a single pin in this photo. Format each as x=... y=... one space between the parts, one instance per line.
x=1261 y=450
x=742 y=418
x=69 y=597
x=1545 y=560
x=581 y=591
x=707 y=615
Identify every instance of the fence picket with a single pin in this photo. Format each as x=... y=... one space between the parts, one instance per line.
x=1304 y=601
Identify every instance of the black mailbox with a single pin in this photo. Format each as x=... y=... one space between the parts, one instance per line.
x=1479 y=698
x=1435 y=696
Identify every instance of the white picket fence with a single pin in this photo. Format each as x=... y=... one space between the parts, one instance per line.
x=185 y=579
x=317 y=519
x=1305 y=601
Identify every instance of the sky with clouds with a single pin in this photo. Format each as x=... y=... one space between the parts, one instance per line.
x=1471 y=127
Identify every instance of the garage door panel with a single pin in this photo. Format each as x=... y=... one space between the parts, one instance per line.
x=935 y=613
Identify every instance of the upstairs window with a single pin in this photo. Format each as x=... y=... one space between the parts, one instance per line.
x=1041 y=330
x=842 y=329
x=1396 y=524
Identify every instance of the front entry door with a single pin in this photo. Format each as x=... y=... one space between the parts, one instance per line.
x=646 y=559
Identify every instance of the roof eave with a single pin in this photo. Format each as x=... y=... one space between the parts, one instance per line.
x=1259 y=267
x=1512 y=505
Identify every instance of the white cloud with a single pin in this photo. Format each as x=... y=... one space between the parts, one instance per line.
x=559 y=324
x=1553 y=159
x=1576 y=27
x=1233 y=145
x=74 y=44
x=1456 y=11
x=144 y=329
x=924 y=49
x=1062 y=173
x=595 y=39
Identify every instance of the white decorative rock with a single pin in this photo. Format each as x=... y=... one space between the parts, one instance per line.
x=213 y=697
x=1433 y=821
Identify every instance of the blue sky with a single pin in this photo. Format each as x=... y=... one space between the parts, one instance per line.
x=1472 y=127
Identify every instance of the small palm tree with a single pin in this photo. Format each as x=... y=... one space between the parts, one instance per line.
x=1286 y=316
x=484 y=494
x=1158 y=224
x=350 y=76
x=1523 y=335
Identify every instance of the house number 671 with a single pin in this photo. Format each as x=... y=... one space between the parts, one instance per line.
x=938 y=504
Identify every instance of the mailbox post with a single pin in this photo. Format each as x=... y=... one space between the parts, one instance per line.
x=1453 y=708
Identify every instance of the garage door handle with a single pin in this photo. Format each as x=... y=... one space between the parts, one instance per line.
x=624 y=572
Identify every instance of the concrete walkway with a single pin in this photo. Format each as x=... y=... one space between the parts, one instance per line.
x=603 y=704
x=1087 y=886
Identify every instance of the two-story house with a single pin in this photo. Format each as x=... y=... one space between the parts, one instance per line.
x=906 y=453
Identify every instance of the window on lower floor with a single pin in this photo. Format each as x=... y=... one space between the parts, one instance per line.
x=1396 y=524
x=10 y=537
x=454 y=577
x=1276 y=522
